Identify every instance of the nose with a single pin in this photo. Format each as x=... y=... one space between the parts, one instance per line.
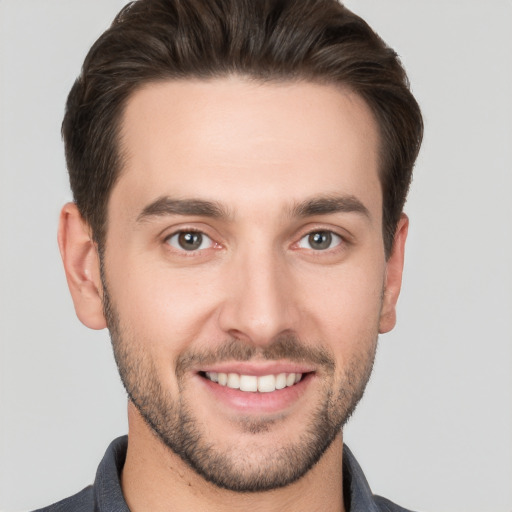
x=260 y=302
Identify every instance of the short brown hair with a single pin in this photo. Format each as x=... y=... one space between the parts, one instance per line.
x=268 y=40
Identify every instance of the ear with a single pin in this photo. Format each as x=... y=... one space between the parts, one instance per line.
x=393 y=282
x=82 y=266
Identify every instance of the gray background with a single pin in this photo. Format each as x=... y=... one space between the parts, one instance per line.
x=434 y=431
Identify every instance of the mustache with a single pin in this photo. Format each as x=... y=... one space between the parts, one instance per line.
x=288 y=347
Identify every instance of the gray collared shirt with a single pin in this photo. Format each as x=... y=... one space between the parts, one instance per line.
x=105 y=495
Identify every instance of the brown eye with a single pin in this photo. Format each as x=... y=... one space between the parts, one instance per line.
x=320 y=240
x=190 y=241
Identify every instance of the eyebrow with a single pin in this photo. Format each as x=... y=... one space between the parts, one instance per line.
x=164 y=206
x=322 y=205
x=325 y=205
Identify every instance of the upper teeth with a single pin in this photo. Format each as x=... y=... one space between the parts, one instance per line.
x=263 y=384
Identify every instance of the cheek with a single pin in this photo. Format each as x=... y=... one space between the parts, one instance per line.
x=163 y=308
x=345 y=304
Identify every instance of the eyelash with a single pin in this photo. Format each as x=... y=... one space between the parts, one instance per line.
x=332 y=236
x=325 y=233
x=193 y=251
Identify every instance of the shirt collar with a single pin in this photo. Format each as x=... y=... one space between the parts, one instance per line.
x=108 y=495
x=356 y=491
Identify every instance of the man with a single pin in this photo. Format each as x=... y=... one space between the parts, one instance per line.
x=239 y=171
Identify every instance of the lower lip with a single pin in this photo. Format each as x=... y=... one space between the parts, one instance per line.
x=257 y=403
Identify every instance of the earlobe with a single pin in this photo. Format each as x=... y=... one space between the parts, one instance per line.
x=82 y=267
x=393 y=283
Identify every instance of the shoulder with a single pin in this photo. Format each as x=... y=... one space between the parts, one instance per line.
x=384 y=505
x=80 y=502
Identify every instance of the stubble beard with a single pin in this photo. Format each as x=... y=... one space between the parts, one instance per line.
x=173 y=422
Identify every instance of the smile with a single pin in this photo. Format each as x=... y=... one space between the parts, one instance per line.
x=253 y=383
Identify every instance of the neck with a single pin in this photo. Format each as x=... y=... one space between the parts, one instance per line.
x=155 y=479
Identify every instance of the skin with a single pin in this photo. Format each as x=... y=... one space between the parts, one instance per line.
x=257 y=151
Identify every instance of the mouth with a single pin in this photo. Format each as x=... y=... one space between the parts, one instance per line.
x=255 y=388
x=253 y=383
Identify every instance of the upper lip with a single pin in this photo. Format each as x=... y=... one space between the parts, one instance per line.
x=258 y=368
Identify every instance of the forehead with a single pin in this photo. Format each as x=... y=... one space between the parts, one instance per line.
x=239 y=142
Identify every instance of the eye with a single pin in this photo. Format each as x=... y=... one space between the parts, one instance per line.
x=320 y=240
x=190 y=241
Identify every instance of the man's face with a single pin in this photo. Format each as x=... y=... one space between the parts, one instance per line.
x=244 y=271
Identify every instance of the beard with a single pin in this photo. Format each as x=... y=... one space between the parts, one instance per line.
x=248 y=467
